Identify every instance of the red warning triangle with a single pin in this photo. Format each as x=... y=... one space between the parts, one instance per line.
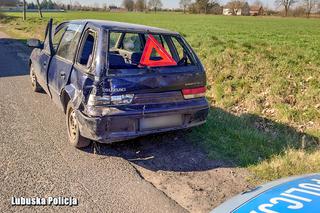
x=166 y=59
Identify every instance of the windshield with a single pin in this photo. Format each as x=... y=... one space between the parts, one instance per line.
x=139 y=50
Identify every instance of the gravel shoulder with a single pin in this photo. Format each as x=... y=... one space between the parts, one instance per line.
x=181 y=169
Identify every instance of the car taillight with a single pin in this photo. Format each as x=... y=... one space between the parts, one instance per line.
x=121 y=99
x=194 y=92
x=110 y=100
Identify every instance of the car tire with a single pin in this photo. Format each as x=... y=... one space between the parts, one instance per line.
x=75 y=138
x=34 y=82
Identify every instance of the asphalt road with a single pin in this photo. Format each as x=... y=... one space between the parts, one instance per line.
x=37 y=161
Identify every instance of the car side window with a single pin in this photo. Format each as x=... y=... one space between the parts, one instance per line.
x=87 y=52
x=132 y=43
x=114 y=38
x=46 y=40
x=69 y=42
x=57 y=37
x=46 y=45
x=184 y=57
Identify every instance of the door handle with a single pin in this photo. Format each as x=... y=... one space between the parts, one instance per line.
x=45 y=64
x=63 y=75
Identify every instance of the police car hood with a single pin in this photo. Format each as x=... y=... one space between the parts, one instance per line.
x=294 y=194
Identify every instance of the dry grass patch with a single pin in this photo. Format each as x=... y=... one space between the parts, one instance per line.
x=291 y=162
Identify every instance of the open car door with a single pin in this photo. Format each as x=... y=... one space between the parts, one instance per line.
x=45 y=57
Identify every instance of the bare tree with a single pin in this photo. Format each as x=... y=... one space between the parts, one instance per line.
x=309 y=5
x=184 y=4
x=24 y=10
x=235 y=6
x=105 y=6
x=96 y=6
x=245 y=9
x=155 y=4
x=128 y=4
x=202 y=6
x=257 y=3
x=39 y=9
x=286 y=4
x=140 y=5
x=76 y=5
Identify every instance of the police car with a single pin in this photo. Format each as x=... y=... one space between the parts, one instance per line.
x=294 y=194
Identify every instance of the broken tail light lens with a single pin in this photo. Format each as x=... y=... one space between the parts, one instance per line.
x=110 y=100
x=98 y=100
x=121 y=99
x=194 y=92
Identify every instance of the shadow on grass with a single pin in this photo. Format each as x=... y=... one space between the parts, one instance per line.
x=248 y=139
x=226 y=140
x=5 y=19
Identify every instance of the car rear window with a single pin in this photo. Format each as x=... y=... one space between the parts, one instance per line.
x=129 y=50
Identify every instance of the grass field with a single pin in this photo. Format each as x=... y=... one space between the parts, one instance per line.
x=263 y=84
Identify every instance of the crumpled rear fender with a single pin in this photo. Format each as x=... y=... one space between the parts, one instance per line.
x=78 y=90
x=71 y=93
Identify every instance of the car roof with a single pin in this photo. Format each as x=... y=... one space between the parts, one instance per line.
x=122 y=26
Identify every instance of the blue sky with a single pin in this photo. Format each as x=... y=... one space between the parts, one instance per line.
x=166 y=3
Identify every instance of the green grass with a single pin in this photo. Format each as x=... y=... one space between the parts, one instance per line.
x=263 y=84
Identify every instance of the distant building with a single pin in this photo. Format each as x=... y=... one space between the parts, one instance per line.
x=239 y=10
x=256 y=11
x=227 y=12
x=12 y=6
x=230 y=12
x=116 y=9
x=7 y=4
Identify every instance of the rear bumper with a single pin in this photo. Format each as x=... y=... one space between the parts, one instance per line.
x=125 y=124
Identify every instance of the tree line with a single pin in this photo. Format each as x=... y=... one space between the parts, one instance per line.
x=290 y=7
x=45 y=4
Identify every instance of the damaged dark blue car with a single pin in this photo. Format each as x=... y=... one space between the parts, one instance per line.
x=117 y=81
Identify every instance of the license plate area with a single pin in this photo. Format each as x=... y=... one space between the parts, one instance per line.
x=160 y=122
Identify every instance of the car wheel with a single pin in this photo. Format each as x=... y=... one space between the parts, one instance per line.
x=34 y=83
x=73 y=129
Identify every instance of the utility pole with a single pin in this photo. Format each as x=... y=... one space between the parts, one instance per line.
x=24 y=10
x=39 y=9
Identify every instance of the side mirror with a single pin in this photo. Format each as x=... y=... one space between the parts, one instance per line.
x=35 y=43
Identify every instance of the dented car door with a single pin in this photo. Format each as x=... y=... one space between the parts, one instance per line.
x=62 y=62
